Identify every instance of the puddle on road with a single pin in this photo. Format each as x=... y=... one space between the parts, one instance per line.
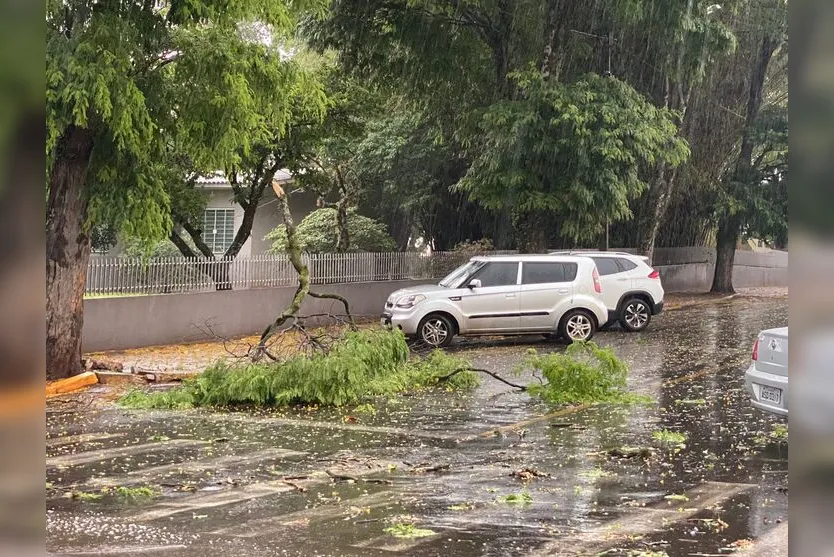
x=257 y=483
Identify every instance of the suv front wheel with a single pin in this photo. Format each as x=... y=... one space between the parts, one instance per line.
x=635 y=315
x=577 y=324
x=436 y=330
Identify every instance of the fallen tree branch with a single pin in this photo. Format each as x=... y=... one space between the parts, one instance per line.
x=329 y=296
x=479 y=370
x=294 y=252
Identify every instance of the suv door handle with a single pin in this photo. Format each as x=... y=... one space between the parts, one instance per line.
x=509 y=295
x=563 y=291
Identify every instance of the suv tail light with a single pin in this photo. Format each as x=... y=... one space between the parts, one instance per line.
x=655 y=274
x=756 y=351
x=597 y=285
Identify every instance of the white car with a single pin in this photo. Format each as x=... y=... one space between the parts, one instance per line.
x=631 y=289
x=503 y=295
x=766 y=379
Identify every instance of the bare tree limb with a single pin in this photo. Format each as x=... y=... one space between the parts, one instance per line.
x=337 y=298
x=480 y=370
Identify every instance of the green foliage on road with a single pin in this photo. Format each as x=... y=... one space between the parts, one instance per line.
x=363 y=365
x=583 y=373
x=524 y=498
x=408 y=531
x=668 y=438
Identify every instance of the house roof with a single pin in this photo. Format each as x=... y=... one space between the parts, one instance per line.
x=218 y=179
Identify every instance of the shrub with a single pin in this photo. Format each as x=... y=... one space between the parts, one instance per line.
x=364 y=364
x=583 y=373
x=318 y=232
x=474 y=248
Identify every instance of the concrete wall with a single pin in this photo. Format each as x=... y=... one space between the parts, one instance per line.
x=691 y=269
x=137 y=321
x=132 y=322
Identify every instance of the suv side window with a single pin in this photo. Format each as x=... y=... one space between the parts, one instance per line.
x=536 y=272
x=607 y=266
x=626 y=265
x=498 y=273
x=539 y=273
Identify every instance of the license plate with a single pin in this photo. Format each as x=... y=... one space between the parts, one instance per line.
x=770 y=394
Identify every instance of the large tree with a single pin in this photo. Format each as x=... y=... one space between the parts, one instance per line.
x=457 y=60
x=752 y=197
x=127 y=82
x=575 y=152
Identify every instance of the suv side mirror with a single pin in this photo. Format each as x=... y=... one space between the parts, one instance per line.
x=474 y=283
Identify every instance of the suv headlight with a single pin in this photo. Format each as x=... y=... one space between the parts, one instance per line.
x=407 y=302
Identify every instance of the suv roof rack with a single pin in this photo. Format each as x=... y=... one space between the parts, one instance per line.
x=595 y=251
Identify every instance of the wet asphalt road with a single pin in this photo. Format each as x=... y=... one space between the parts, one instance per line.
x=329 y=482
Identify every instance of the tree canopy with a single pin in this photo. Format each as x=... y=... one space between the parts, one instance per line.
x=319 y=233
x=577 y=151
x=133 y=86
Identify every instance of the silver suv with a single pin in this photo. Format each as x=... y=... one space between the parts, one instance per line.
x=631 y=289
x=503 y=295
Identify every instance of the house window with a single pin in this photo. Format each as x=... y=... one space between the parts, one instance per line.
x=219 y=229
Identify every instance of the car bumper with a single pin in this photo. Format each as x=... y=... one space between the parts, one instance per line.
x=407 y=322
x=757 y=383
x=657 y=307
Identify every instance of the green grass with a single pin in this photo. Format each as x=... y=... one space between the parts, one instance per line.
x=363 y=365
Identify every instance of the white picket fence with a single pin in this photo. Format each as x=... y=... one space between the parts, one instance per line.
x=120 y=276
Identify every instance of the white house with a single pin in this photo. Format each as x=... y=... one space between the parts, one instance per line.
x=222 y=216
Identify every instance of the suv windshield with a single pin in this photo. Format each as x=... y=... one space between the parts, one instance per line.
x=456 y=277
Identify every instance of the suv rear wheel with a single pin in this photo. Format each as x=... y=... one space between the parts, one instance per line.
x=436 y=330
x=577 y=324
x=635 y=315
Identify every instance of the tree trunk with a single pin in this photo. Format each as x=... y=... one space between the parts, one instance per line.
x=726 y=242
x=531 y=231
x=294 y=253
x=729 y=227
x=558 y=15
x=68 y=248
x=660 y=195
x=343 y=243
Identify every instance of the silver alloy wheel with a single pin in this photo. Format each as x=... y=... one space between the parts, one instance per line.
x=579 y=327
x=636 y=315
x=434 y=332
